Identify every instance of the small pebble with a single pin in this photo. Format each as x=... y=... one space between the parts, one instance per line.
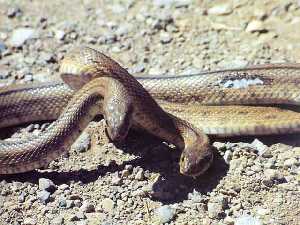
x=70 y=204
x=116 y=180
x=290 y=162
x=215 y=210
x=247 y=220
x=60 y=35
x=227 y=156
x=77 y=203
x=255 y=25
x=219 y=145
x=259 y=146
x=63 y=187
x=21 y=197
x=29 y=221
x=58 y=220
x=47 y=185
x=165 y=214
x=44 y=196
x=80 y=215
x=62 y=203
x=140 y=175
x=82 y=144
x=221 y=9
x=4 y=74
x=107 y=205
x=2 y=47
x=165 y=38
x=13 y=12
x=87 y=207
x=272 y=174
x=125 y=173
x=20 y=36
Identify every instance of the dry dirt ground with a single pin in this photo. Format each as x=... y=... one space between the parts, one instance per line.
x=252 y=181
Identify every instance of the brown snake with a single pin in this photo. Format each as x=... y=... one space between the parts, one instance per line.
x=104 y=87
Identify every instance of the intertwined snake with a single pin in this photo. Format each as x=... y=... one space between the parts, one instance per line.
x=99 y=85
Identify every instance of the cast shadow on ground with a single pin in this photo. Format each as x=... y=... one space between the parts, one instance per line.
x=154 y=156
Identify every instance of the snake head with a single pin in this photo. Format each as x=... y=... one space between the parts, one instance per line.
x=194 y=162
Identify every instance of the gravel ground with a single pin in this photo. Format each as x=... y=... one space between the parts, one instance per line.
x=253 y=181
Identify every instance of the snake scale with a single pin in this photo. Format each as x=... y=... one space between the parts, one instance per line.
x=178 y=109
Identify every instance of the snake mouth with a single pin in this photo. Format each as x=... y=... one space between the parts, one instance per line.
x=195 y=167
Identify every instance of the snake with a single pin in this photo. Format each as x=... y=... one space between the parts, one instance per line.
x=182 y=110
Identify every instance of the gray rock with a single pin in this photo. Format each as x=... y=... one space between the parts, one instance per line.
x=28 y=78
x=214 y=210
x=47 y=57
x=70 y=204
x=47 y=185
x=73 y=218
x=219 y=145
x=197 y=197
x=82 y=144
x=255 y=25
x=90 y=39
x=60 y=35
x=106 y=223
x=182 y=3
x=216 y=206
x=13 y=12
x=82 y=222
x=220 y=9
x=262 y=211
x=165 y=213
x=227 y=156
x=272 y=174
x=16 y=186
x=116 y=180
x=58 y=220
x=138 y=192
x=21 y=197
x=42 y=77
x=140 y=175
x=20 y=36
x=259 y=146
x=77 y=203
x=80 y=215
x=62 y=203
x=164 y=3
x=44 y=196
x=2 y=47
x=165 y=38
x=125 y=173
x=290 y=162
x=87 y=207
x=63 y=187
x=137 y=69
x=169 y=3
x=123 y=29
x=129 y=167
x=108 y=38
x=4 y=73
x=107 y=205
x=29 y=221
x=247 y=220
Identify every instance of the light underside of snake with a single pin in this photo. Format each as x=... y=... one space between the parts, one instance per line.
x=222 y=103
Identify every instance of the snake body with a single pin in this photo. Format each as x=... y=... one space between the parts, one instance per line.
x=183 y=108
